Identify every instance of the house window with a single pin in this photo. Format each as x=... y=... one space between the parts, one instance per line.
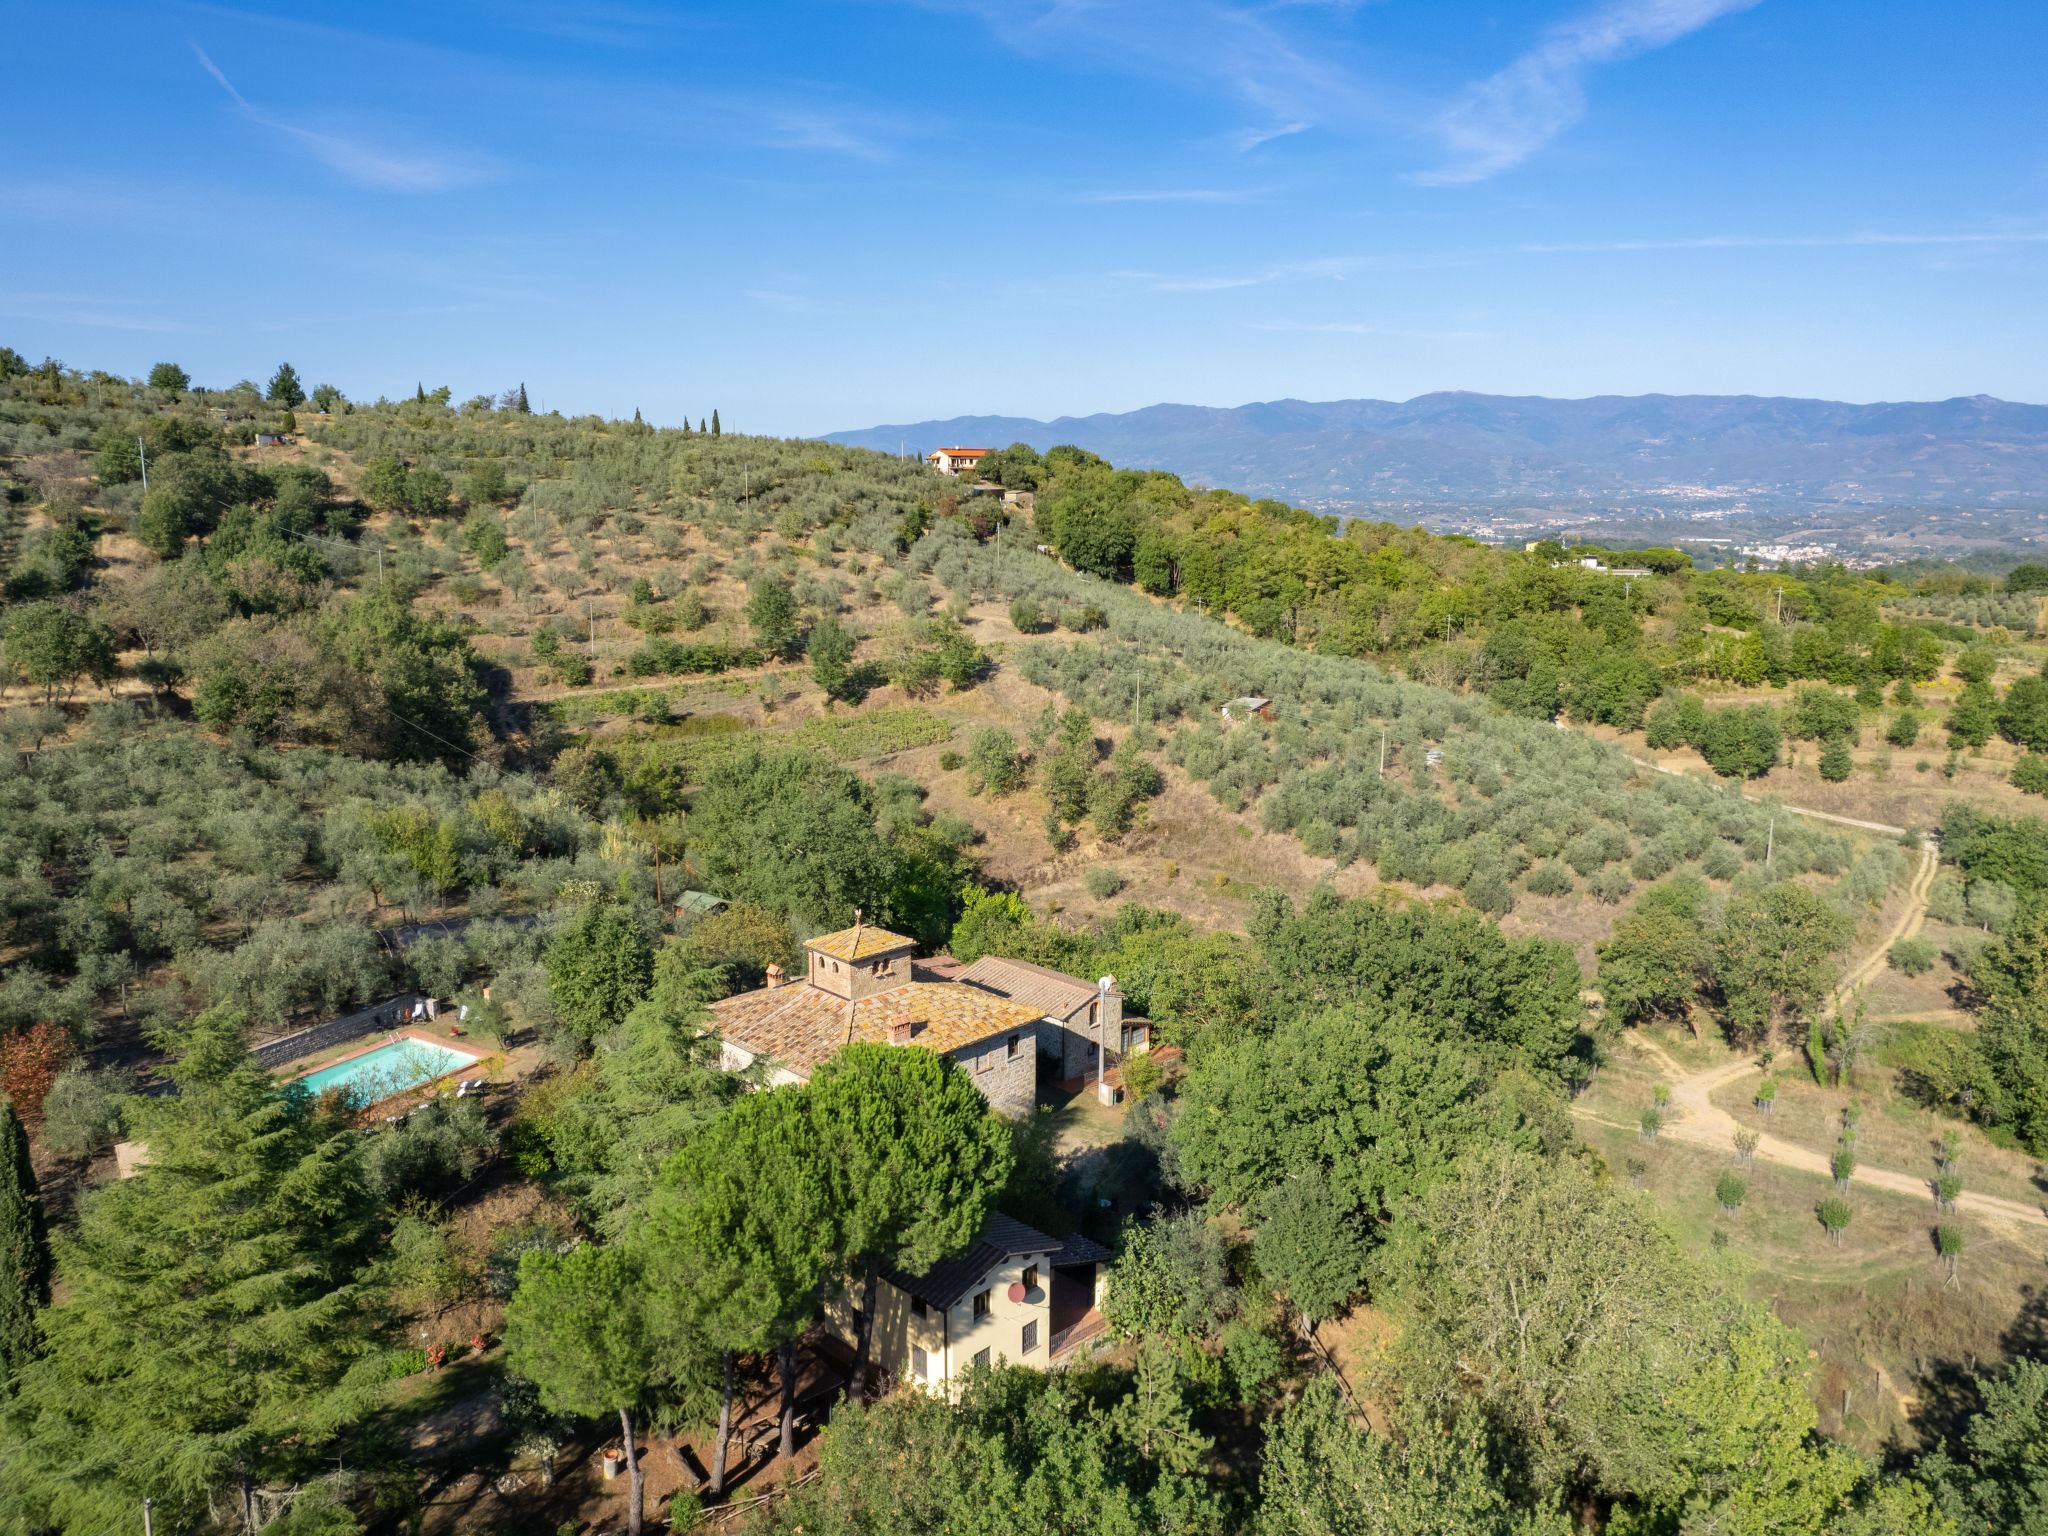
x=918 y=1307
x=981 y=1301
x=1031 y=1278
x=917 y=1363
x=1030 y=1336
x=1014 y=1039
x=985 y=1061
x=1091 y=1014
x=981 y=1357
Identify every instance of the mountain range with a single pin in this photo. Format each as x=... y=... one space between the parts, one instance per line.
x=1462 y=447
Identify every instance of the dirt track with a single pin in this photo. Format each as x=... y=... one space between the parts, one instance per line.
x=1694 y=1117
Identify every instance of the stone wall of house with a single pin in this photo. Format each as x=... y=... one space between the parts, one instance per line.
x=1009 y=1082
x=1077 y=1039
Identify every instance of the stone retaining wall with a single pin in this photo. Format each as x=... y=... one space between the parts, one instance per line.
x=390 y=1014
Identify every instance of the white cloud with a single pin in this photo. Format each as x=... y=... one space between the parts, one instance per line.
x=1495 y=124
x=356 y=160
x=1183 y=195
x=1332 y=268
x=1745 y=242
x=72 y=309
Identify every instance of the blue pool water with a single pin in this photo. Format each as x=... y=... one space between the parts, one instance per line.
x=389 y=1069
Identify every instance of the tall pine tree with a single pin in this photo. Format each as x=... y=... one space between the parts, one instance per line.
x=214 y=1334
x=24 y=1250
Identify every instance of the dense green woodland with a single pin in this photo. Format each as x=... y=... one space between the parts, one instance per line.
x=1372 y=1103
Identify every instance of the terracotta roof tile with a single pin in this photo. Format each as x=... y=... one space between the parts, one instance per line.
x=873 y=941
x=1053 y=993
x=800 y=1026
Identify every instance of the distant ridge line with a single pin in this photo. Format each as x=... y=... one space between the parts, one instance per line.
x=1460 y=445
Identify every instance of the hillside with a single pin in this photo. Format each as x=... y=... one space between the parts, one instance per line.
x=1452 y=993
x=1454 y=447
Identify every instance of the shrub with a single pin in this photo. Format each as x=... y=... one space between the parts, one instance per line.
x=1142 y=1074
x=1723 y=862
x=994 y=760
x=1731 y=1191
x=1104 y=881
x=82 y=1111
x=1488 y=891
x=1904 y=731
x=1026 y=617
x=2030 y=774
x=1549 y=878
x=1835 y=762
x=1610 y=885
x=1083 y=617
x=1914 y=956
x=949 y=760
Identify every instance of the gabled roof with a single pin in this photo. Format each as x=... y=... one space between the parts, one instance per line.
x=952 y=1280
x=799 y=1026
x=699 y=901
x=1054 y=994
x=960 y=453
x=872 y=941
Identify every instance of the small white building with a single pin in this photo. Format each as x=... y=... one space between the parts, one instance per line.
x=952 y=461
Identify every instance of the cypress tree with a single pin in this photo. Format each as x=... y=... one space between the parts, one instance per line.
x=523 y=408
x=24 y=1249
x=217 y=1328
x=714 y=423
x=419 y=393
x=700 y=423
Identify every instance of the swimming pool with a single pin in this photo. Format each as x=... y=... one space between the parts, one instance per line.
x=391 y=1068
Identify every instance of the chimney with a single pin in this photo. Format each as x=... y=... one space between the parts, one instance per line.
x=774 y=976
x=901 y=1028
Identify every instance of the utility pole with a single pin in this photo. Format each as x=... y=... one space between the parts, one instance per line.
x=1102 y=1089
x=1136 y=699
x=143 y=448
x=148 y=1529
x=1383 y=752
x=1770 y=839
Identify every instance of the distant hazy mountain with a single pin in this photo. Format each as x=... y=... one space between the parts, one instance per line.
x=1462 y=447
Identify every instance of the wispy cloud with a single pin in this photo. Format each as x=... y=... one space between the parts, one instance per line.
x=1742 y=242
x=1495 y=124
x=354 y=159
x=1245 y=140
x=1330 y=268
x=1290 y=86
x=775 y=299
x=73 y=309
x=1182 y=195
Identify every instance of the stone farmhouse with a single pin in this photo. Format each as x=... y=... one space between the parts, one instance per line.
x=996 y=1017
x=1016 y=1295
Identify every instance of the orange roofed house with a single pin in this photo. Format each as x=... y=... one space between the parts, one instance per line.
x=995 y=1017
x=1015 y=1294
x=951 y=461
x=862 y=985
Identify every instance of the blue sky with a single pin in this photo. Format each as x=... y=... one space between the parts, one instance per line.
x=823 y=216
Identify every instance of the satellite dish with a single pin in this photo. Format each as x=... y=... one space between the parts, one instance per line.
x=1017 y=1292
x=1108 y=983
